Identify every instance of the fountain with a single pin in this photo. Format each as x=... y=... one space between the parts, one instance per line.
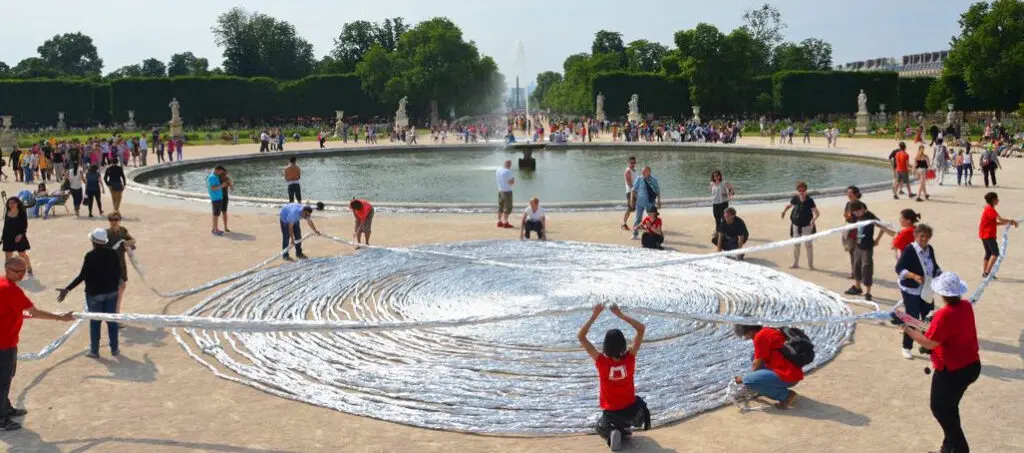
x=527 y=162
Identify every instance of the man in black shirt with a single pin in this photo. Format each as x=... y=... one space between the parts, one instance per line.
x=115 y=180
x=863 y=254
x=732 y=232
x=101 y=272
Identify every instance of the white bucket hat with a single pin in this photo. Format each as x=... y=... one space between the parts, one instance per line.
x=99 y=236
x=949 y=285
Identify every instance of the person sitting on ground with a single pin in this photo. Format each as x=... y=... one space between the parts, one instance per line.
x=363 y=211
x=771 y=374
x=291 y=233
x=653 y=236
x=533 y=220
x=732 y=232
x=864 y=251
x=621 y=408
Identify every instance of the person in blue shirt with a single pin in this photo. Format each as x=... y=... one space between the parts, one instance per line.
x=291 y=214
x=646 y=195
x=215 y=187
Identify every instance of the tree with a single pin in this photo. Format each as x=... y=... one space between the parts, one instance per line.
x=357 y=38
x=608 y=42
x=153 y=68
x=764 y=25
x=818 y=52
x=32 y=68
x=259 y=45
x=5 y=71
x=186 y=64
x=989 y=52
x=132 y=70
x=72 y=54
x=644 y=56
x=545 y=81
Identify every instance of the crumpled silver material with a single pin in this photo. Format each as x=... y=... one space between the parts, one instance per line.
x=477 y=337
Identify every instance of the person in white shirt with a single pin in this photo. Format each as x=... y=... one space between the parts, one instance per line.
x=533 y=220
x=630 y=177
x=505 y=182
x=143 y=150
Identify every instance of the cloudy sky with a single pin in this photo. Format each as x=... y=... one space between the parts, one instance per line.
x=129 y=31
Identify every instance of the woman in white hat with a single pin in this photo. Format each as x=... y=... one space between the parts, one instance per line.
x=953 y=338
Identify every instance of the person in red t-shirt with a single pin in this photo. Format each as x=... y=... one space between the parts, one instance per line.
x=363 y=211
x=990 y=219
x=771 y=374
x=13 y=306
x=903 y=238
x=621 y=408
x=653 y=237
x=953 y=338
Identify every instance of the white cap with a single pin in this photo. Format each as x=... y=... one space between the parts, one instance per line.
x=99 y=236
x=949 y=285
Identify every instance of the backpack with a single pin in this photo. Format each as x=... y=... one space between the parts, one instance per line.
x=798 y=350
x=797 y=217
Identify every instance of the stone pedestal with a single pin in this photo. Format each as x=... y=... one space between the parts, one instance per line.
x=8 y=138
x=401 y=122
x=130 y=124
x=635 y=116
x=177 y=128
x=696 y=114
x=600 y=116
x=863 y=122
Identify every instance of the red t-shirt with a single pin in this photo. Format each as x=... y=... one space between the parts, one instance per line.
x=953 y=327
x=904 y=238
x=767 y=343
x=13 y=304
x=648 y=224
x=616 y=378
x=362 y=213
x=987 y=229
x=902 y=161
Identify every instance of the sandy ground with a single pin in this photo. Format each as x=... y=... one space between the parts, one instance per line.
x=155 y=399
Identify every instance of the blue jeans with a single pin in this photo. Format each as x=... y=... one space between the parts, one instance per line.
x=765 y=382
x=48 y=201
x=27 y=171
x=641 y=207
x=284 y=237
x=102 y=303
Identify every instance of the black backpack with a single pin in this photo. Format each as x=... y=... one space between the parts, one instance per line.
x=799 y=349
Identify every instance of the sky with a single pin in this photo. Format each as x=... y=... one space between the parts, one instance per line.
x=129 y=31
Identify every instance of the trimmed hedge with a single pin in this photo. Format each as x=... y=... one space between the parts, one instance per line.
x=36 y=102
x=802 y=94
x=233 y=99
x=659 y=95
x=148 y=97
x=321 y=95
x=913 y=91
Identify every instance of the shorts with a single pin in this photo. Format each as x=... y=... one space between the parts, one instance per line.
x=368 y=223
x=903 y=177
x=505 y=202
x=218 y=206
x=630 y=204
x=991 y=247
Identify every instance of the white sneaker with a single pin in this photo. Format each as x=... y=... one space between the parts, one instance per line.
x=615 y=440
x=907 y=354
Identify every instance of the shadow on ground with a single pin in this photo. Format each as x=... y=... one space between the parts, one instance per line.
x=26 y=441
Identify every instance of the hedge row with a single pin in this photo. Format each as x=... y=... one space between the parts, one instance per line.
x=232 y=99
x=659 y=95
x=802 y=94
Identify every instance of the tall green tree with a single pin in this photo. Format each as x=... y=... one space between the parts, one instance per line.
x=72 y=54
x=989 y=52
x=259 y=45
x=609 y=42
x=132 y=70
x=32 y=68
x=811 y=54
x=644 y=56
x=357 y=38
x=545 y=81
x=5 y=71
x=187 y=64
x=764 y=25
x=151 y=67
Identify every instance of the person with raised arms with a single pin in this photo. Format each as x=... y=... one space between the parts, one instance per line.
x=621 y=408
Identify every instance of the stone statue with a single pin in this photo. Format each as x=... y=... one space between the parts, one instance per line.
x=401 y=106
x=951 y=116
x=634 y=109
x=862 y=102
x=60 y=117
x=7 y=119
x=599 y=111
x=131 y=116
x=401 y=119
x=863 y=117
x=175 y=109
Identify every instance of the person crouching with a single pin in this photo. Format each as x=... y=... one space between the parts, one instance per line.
x=771 y=375
x=621 y=408
x=732 y=232
x=653 y=236
x=533 y=220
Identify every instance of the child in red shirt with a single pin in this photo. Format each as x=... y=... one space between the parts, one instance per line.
x=653 y=237
x=621 y=408
x=771 y=374
x=990 y=219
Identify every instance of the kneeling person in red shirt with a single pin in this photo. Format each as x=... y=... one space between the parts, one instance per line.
x=621 y=408
x=771 y=374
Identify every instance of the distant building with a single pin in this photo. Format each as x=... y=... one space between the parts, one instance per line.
x=928 y=64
